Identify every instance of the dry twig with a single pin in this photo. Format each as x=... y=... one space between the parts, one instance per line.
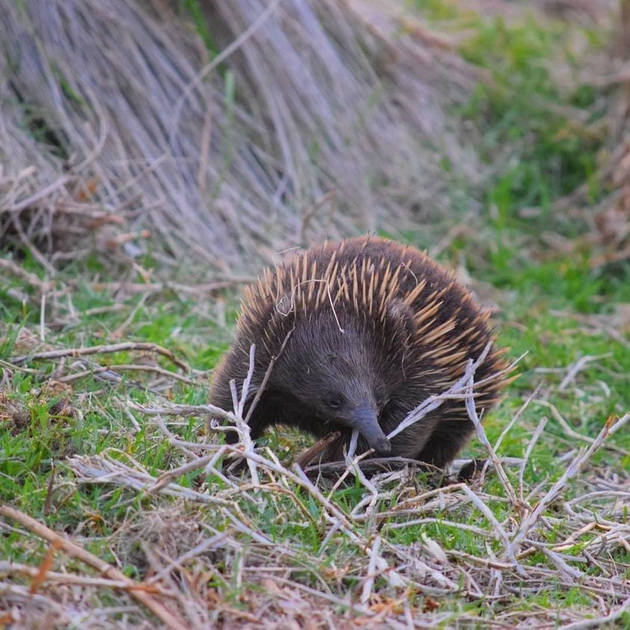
x=109 y=348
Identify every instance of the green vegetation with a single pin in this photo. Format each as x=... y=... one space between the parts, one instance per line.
x=554 y=308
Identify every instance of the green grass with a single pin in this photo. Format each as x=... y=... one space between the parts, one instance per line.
x=552 y=308
x=543 y=129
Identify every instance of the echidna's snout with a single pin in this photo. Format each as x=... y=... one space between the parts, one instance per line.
x=365 y=420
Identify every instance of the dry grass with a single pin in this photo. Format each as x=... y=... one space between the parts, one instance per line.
x=120 y=130
x=215 y=550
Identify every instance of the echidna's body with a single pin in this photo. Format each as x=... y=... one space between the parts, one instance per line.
x=373 y=329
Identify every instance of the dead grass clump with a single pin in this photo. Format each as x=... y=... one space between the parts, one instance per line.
x=309 y=119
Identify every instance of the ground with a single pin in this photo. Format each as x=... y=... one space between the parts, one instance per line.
x=117 y=512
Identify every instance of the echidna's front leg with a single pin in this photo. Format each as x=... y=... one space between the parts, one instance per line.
x=448 y=437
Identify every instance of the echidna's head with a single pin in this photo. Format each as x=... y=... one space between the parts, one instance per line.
x=332 y=378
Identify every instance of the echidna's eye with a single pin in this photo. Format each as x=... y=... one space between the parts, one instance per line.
x=381 y=398
x=334 y=401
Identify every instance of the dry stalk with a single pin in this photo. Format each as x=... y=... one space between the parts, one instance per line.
x=25 y=276
x=578 y=366
x=312 y=453
x=528 y=451
x=263 y=384
x=433 y=402
x=571 y=432
x=105 y=349
x=366 y=592
x=240 y=424
x=131 y=367
x=15 y=568
x=516 y=417
x=182 y=410
x=481 y=434
x=599 y=622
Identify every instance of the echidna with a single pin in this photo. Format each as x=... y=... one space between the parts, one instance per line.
x=359 y=332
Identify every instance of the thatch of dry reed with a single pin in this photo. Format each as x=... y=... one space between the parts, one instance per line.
x=314 y=119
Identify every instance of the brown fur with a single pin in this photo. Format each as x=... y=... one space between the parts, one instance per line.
x=373 y=329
